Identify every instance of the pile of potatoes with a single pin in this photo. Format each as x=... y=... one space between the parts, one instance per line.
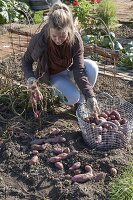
x=77 y=173
x=75 y=169
x=38 y=145
x=108 y=129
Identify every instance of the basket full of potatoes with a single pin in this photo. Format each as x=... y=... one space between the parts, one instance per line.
x=111 y=128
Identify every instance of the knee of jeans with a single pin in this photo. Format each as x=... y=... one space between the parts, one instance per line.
x=91 y=63
x=74 y=98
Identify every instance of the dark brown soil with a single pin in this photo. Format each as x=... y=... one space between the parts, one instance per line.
x=21 y=181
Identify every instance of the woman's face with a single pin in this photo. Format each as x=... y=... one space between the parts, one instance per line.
x=58 y=36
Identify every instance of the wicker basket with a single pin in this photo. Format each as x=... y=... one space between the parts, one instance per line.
x=95 y=136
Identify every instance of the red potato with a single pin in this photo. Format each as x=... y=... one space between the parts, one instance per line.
x=123 y=121
x=75 y=166
x=38 y=147
x=112 y=117
x=105 y=126
x=34 y=160
x=109 y=119
x=104 y=115
x=60 y=157
x=107 y=113
x=63 y=155
x=37 y=95
x=88 y=168
x=37 y=114
x=82 y=178
x=116 y=122
x=59 y=165
x=54 y=140
x=55 y=159
x=113 y=171
x=58 y=150
x=116 y=114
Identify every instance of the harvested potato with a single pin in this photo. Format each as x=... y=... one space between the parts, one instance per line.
x=55 y=159
x=34 y=160
x=104 y=115
x=82 y=178
x=59 y=165
x=75 y=166
x=123 y=121
x=63 y=155
x=58 y=150
x=38 y=147
x=88 y=168
x=54 y=140
x=58 y=158
x=107 y=113
x=116 y=114
x=112 y=117
x=113 y=171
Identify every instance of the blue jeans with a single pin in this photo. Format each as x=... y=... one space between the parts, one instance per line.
x=66 y=86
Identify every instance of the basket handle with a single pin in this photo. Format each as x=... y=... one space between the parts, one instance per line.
x=105 y=94
x=107 y=122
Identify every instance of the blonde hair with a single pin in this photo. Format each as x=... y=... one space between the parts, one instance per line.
x=60 y=18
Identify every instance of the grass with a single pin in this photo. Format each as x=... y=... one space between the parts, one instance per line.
x=122 y=187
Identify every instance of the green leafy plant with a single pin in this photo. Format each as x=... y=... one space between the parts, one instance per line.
x=122 y=187
x=12 y=10
x=38 y=17
x=126 y=60
x=106 y=10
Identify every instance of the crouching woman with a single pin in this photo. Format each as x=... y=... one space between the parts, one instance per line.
x=58 y=50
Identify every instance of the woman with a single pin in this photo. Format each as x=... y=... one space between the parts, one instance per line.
x=59 y=51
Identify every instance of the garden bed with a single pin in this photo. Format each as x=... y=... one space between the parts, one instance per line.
x=19 y=180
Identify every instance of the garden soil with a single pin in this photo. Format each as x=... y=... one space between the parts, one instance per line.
x=44 y=181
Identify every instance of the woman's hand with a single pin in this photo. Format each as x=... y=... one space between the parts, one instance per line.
x=92 y=105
